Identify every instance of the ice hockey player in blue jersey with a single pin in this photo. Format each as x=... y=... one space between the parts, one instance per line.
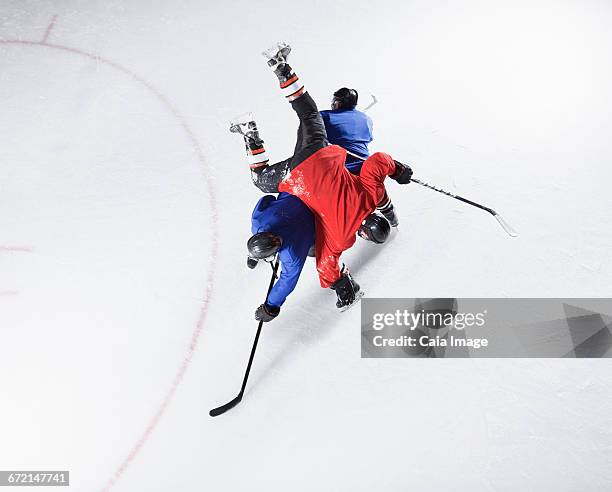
x=282 y=225
x=348 y=127
x=351 y=129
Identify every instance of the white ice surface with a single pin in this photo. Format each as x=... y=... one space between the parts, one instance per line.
x=107 y=227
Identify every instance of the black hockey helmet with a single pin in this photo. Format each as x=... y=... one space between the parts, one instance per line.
x=263 y=245
x=375 y=228
x=345 y=98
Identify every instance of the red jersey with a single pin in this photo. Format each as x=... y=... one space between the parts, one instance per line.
x=339 y=200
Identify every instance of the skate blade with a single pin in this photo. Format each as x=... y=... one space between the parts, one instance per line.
x=358 y=297
x=241 y=122
x=272 y=53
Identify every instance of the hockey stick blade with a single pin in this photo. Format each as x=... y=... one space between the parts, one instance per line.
x=224 y=408
x=507 y=227
x=374 y=101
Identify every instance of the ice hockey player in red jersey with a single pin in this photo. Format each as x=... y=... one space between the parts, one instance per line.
x=343 y=204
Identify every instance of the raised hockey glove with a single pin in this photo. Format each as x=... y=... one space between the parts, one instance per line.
x=266 y=313
x=402 y=173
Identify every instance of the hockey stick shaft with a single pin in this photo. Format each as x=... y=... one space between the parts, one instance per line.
x=457 y=197
x=248 y=369
x=231 y=404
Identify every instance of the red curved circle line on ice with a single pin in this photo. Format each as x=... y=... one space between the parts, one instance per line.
x=209 y=281
x=15 y=249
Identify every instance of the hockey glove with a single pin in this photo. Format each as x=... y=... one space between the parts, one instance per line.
x=252 y=262
x=266 y=313
x=402 y=173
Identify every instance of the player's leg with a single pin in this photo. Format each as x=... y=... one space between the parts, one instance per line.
x=266 y=177
x=386 y=208
x=290 y=84
x=332 y=276
x=255 y=152
x=311 y=132
x=269 y=177
x=311 y=135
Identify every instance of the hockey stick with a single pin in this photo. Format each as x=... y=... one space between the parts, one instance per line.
x=374 y=101
x=231 y=404
x=505 y=226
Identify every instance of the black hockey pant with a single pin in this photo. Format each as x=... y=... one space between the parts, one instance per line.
x=311 y=137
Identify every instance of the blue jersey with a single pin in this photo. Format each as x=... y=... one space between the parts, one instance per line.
x=352 y=130
x=288 y=217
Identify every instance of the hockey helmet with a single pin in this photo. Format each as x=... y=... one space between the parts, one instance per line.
x=345 y=98
x=375 y=228
x=264 y=245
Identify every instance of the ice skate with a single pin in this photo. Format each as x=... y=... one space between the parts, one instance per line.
x=387 y=210
x=245 y=125
x=347 y=290
x=277 y=54
x=391 y=216
x=290 y=84
x=358 y=297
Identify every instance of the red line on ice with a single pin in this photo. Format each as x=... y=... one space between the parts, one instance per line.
x=49 y=29
x=13 y=249
x=213 y=237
